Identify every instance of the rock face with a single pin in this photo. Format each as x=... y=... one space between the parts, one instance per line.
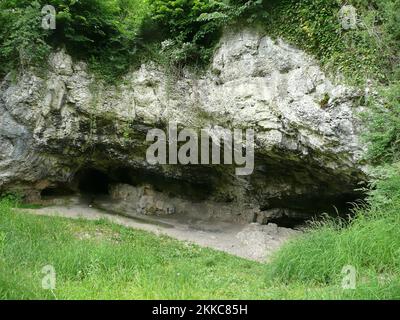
x=146 y=201
x=57 y=130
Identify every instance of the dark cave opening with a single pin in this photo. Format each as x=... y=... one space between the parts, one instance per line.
x=59 y=190
x=288 y=222
x=194 y=190
x=93 y=182
x=298 y=211
x=292 y=211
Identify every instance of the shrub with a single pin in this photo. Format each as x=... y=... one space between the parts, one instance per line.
x=22 y=40
x=110 y=33
x=114 y=34
x=103 y=32
x=370 y=51
x=193 y=26
x=383 y=124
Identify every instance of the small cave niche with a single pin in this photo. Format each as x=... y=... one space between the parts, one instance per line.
x=59 y=190
x=174 y=187
x=93 y=182
x=297 y=211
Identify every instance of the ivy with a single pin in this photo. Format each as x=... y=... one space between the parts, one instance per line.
x=114 y=35
x=369 y=51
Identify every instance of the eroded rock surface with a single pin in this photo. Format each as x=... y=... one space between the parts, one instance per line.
x=308 y=153
x=264 y=239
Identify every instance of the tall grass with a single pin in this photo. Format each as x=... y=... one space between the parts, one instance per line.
x=370 y=242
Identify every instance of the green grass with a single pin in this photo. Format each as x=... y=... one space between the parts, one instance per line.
x=101 y=260
x=370 y=242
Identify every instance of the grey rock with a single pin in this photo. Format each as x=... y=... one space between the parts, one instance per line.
x=264 y=238
x=52 y=128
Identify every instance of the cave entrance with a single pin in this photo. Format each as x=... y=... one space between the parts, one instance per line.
x=93 y=182
x=59 y=190
x=288 y=222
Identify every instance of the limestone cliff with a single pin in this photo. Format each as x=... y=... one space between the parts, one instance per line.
x=54 y=129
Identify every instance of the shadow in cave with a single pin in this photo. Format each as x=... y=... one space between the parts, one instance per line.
x=315 y=208
x=60 y=190
x=93 y=185
x=194 y=190
x=92 y=182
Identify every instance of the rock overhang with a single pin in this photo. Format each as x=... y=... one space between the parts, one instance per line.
x=307 y=138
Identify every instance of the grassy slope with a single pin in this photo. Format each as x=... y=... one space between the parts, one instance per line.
x=371 y=244
x=96 y=260
x=99 y=260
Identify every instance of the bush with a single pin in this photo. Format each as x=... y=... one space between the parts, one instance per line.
x=22 y=40
x=383 y=121
x=103 y=32
x=370 y=51
x=113 y=34
x=192 y=27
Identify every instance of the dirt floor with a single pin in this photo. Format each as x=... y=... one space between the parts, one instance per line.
x=251 y=241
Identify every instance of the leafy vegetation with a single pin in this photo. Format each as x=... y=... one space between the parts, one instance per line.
x=383 y=119
x=191 y=28
x=114 y=35
x=22 y=41
x=368 y=51
x=103 y=32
